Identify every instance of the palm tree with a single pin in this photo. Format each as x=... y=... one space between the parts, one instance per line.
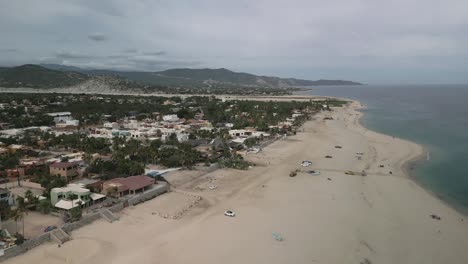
x=21 y=211
x=16 y=215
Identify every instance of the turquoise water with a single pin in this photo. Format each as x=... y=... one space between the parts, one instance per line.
x=435 y=116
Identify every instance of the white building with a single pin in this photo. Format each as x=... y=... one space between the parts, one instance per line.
x=111 y=125
x=170 y=118
x=60 y=116
x=240 y=133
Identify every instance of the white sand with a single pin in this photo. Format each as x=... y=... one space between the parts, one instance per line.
x=380 y=217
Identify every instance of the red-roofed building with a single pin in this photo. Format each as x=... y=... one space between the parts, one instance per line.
x=119 y=187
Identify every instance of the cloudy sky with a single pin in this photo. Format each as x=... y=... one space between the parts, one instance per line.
x=372 y=41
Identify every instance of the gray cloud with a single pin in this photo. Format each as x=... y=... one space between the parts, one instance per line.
x=130 y=50
x=62 y=54
x=8 y=50
x=98 y=37
x=154 y=53
x=368 y=41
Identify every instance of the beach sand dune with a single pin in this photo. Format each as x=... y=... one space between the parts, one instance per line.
x=328 y=218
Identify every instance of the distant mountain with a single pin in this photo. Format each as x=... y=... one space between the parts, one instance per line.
x=60 y=67
x=56 y=77
x=34 y=76
x=205 y=77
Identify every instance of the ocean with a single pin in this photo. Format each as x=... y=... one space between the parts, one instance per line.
x=435 y=116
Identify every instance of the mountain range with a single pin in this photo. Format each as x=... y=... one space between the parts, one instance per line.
x=55 y=76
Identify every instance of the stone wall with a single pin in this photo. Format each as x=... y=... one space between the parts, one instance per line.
x=27 y=245
x=116 y=208
x=158 y=189
x=85 y=220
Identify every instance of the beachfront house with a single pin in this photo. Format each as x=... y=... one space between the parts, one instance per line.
x=119 y=187
x=73 y=195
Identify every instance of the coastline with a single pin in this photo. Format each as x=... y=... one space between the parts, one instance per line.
x=412 y=163
x=329 y=218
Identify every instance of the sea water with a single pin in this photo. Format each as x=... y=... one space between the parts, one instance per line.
x=435 y=116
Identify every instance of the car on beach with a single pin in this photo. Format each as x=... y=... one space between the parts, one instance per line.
x=306 y=163
x=314 y=172
x=229 y=213
x=360 y=153
x=49 y=228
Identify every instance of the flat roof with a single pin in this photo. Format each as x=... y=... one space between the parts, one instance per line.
x=67 y=205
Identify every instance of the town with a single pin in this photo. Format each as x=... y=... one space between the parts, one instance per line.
x=64 y=156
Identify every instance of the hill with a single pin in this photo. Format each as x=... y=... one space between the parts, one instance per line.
x=205 y=78
x=34 y=76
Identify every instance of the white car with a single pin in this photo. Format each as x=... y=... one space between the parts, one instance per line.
x=359 y=153
x=314 y=172
x=229 y=213
x=306 y=163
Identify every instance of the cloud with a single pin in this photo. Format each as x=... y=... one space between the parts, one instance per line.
x=155 y=53
x=62 y=54
x=368 y=41
x=8 y=50
x=130 y=50
x=98 y=37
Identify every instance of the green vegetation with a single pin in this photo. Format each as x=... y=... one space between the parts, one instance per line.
x=184 y=81
x=34 y=76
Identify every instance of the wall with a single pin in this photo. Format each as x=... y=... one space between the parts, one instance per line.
x=158 y=189
x=27 y=245
x=85 y=220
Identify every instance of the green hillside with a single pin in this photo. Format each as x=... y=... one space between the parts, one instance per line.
x=34 y=76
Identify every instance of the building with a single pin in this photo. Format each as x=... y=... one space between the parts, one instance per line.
x=68 y=170
x=170 y=118
x=73 y=195
x=61 y=116
x=240 y=133
x=119 y=187
x=5 y=196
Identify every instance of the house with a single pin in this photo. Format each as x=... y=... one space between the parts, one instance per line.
x=119 y=187
x=5 y=196
x=240 y=133
x=170 y=118
x=94 y=185
x=68 y=170
x=60 y=116
x=73 y=195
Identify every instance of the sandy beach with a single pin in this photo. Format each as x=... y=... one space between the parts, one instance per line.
x=333 y=217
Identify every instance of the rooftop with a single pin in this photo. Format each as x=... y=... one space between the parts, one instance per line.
x=134 y=182
x=76 y=188
x=63 y=164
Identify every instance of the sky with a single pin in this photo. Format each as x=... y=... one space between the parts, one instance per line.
x=371 y=41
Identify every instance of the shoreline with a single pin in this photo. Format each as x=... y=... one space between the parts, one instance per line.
x=327 y=218
x=406 y=166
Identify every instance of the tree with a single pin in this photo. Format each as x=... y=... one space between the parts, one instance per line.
x=44 y=206
x=21 y=210
x=30 y=197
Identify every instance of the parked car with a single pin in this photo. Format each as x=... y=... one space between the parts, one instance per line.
x=229 y=213
x=49 y=228
x=306 y=163
x=314 y=172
